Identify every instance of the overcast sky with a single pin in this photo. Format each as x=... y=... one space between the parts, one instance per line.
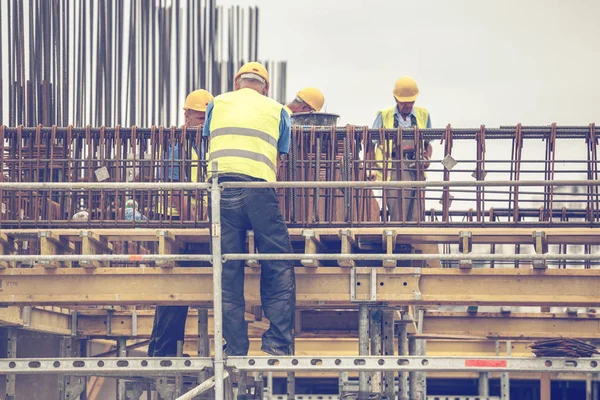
x=476 y=62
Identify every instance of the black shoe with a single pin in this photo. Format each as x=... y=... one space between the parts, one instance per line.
x=282 y=351
x=169 y=355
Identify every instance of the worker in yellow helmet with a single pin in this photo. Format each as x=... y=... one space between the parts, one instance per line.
x=403 y=114
x=195 y=114
x=307 y=100
x=247 y=132
x=169 y=321
x=404 y=205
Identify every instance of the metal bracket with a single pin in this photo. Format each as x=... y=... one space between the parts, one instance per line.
x=134 y=323
x=540 y=244
x=166 y=390
x=465 y=246
x=135 y=392
x=109 y=314
x=74 y=388
x=26 y=316
x=312 y=244
x=372 y=287
x=389 y=243
x=417 y=292
x=251 y=242
x=74 y=323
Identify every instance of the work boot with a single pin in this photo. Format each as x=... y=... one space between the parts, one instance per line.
x=280 y=352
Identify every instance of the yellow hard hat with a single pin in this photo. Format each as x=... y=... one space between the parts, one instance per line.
x=253 y=68
x=197 y=100
x=406 y=90
x=313 y=97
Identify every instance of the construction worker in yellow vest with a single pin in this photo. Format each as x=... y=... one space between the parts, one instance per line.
x=404 y=114
x=169 y=321
x=195 y=114
x=247 y=133
x=307 y=100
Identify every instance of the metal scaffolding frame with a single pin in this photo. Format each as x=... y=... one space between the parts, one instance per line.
x=365 y=364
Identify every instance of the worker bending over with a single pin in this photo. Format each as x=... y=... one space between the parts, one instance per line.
x=169 y=321
x=247 y=132
x=307 y=100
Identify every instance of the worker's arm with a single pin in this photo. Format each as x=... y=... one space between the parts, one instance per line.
x=208 y=118
x=428 y=120
x=378 y=123
x=285 y=135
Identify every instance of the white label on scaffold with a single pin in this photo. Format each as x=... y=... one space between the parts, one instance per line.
x=216 y=230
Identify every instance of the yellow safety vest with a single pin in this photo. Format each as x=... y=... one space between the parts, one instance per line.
x=244 y=131
x=387 y=117
x=172 y=211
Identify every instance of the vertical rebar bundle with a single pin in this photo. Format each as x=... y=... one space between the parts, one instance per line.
x=115 y=63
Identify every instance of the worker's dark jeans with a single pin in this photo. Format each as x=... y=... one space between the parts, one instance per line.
x=167 y=330
x=256 y=209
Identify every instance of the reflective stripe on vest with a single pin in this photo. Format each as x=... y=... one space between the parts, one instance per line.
x=387 y=118
x=244 y=132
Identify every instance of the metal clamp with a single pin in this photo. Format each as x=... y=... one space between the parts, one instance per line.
x=372 y=287
x=74 y=323
x=465 y=246
x=417 y=292
x=540 y=244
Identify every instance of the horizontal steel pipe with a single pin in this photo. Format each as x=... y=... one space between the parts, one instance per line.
x=170 y=366
x=294 y=256
x=581 y=132
x=297 y=184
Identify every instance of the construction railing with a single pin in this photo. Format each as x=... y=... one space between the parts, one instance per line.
x=363 y=364
x=334 y=155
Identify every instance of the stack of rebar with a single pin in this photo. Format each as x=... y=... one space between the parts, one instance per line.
x=120 y=62
x=563 y=348
x=326 y=154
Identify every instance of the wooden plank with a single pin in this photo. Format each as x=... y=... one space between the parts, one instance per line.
x=348 y=243
x=91 y=243
x=168 y=243
x=7 y=247
x=325 y=286
x=312 y=245
x=52 y=243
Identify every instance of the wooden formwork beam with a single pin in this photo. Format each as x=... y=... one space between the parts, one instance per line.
x=52 y=243
x=168 y=243
x=7 y=247
x=348 y=242
x=312 y=245
x=92 y=243
x=325 y=286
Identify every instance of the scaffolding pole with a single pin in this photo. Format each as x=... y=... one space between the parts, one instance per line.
x=215 y=202
x=363 y=349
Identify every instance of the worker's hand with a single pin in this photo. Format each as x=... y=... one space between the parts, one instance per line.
x=372 y=176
